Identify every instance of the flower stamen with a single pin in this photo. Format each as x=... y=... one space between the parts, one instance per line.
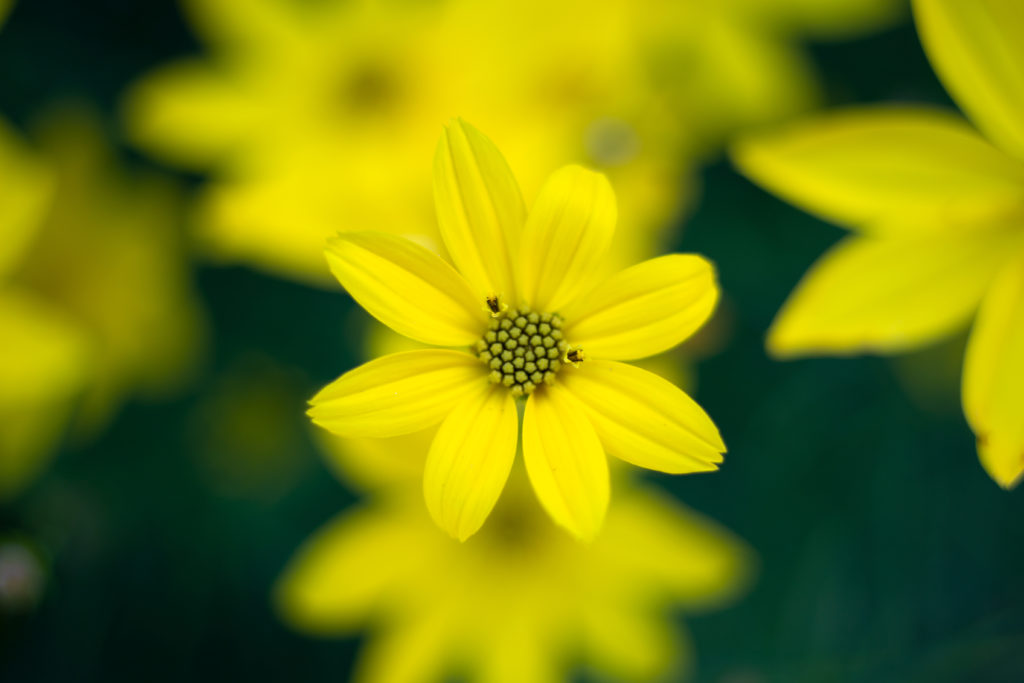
x=524 y=349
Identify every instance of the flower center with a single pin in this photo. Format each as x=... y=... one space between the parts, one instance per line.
x=523 y=348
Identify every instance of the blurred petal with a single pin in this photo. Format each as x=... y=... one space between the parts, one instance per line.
x=521 y=652
x=673 y=553
x=565 y=461
x=645 y=420
x=993 y=390
x=44 y=366
x=480 y=210
x=407 y=287
x=339 y=577
x=630 y=644
x=977 y=49
x=413 y=649
x=885 y=295
x=397 y=394
x=566 y=237
x=190 y=114
x=905 y=167
x=469 y=461
x=27 y=186
x=253 y=25
x=645 y=309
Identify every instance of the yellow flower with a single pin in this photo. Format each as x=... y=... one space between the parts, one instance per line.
x=522 y=306
x=94 y=298
x=938 y=215
x=309 y=115
x=518 y=602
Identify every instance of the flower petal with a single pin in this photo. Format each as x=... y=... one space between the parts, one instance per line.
x=565 y=461
x=645 y=309
x=899 y=166
x=361 y=545
x=397 y=394
x=480 y=209
x=469 y=461
x=566 y=237
x=28 y=186
x=192 y=114
x=993 y=393
x=644 y=419
x=883 y=295
x=407 y=287
x=977 y=49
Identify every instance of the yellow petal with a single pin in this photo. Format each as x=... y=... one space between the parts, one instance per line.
x=27 y=187
x=644 y=419
x=338 y=578
x=407 y=287
x=632 y=644
x=45 y=363
x=674 y=553
x=480 y=209
x=883 y=295
x=469 y=461
x=993 y=390
x=414 y=648
x=190 y=114
x=907 y=168
x=397 y=394
x=977 y=49
x=645 y=309
x=566 y=237
x=565 y=461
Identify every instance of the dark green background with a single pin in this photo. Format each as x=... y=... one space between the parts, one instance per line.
x=886 y=553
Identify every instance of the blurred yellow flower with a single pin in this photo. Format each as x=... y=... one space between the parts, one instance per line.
x=938 y=212
x=524 y=302
x=519 y=601
x=94 y=296
x=312 y=116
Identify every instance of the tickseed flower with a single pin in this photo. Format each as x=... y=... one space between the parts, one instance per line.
x=299 y=113
x=95 y=302
x=520 y=601
x=937 y=211
x=530 y=322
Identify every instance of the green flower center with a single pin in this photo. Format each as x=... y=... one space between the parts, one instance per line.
x=523 y=348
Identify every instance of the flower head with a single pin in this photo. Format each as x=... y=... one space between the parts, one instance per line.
x=530 y=320
x=520 y=601
x=304 y=112
x=937 y=211
x=94 y=297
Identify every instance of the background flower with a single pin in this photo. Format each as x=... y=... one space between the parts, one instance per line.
x=520 y=600
x=93 y=292
x=938 y=211
x=314 y=116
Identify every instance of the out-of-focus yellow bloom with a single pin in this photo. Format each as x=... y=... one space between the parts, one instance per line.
x=525 y=303
x=519 y=601
x=938 y=212
x=316 y=116
x=94 y=297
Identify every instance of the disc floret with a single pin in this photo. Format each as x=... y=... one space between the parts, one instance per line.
x=524 y=349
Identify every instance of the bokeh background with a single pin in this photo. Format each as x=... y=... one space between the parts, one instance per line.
x=885 y=552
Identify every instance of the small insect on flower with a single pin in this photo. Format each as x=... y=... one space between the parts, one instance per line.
x=524 y=317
